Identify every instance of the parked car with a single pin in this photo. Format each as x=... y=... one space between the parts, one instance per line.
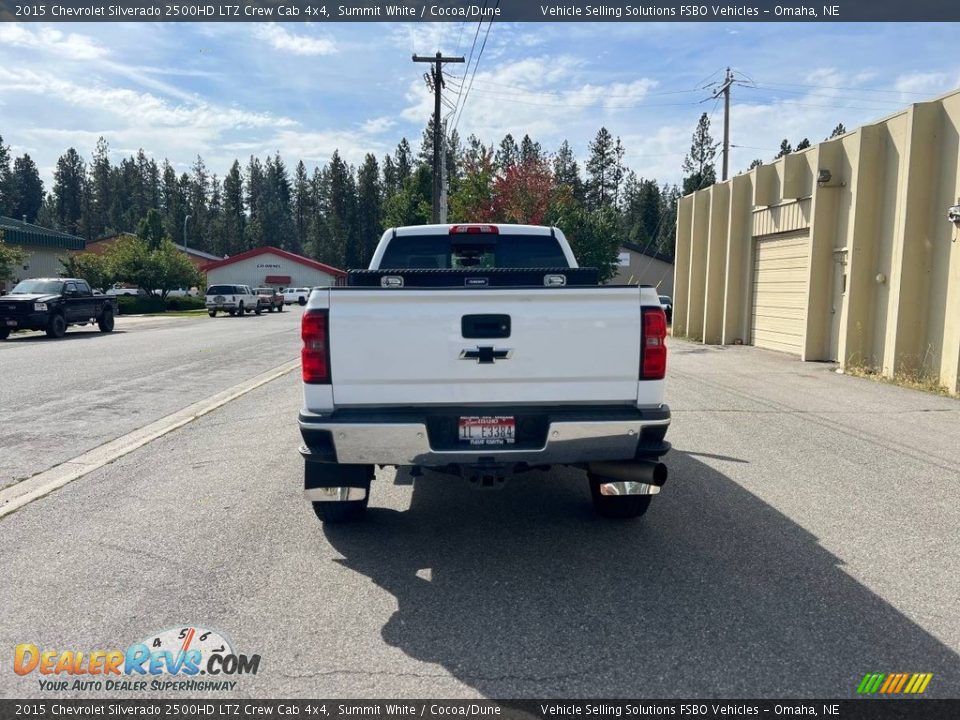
x=515 y=360
x=270 y=298
x=179 y=292
x=233 y=299
x=118 y=290
x=667 y=302
x=53 y=304
x=296 y=295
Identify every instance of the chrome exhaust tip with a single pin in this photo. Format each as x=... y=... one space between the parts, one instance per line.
x=335 y=494
x=631 y=477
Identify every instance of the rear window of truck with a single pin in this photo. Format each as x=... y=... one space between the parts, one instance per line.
x=472 y=251
x=222 y=290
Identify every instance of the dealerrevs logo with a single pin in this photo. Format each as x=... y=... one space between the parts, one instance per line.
x=169 y=660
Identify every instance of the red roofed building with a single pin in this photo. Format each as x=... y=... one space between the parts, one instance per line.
x=272 y=267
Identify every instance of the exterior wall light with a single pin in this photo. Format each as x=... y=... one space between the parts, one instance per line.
x=953 y=214
x=881 y=278
x=824 y=176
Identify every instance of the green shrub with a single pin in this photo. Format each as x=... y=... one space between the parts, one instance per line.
x=138 y=304
x=185 y=303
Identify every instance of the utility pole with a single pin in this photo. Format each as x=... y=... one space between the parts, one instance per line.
x=444 y=200
x=436 y=76
x=725 y=90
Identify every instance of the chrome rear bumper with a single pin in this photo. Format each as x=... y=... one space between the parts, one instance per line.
x=408 y=443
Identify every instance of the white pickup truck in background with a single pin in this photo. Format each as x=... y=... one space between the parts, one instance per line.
x=482 y=351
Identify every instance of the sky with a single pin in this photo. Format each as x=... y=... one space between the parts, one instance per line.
x=230 y=90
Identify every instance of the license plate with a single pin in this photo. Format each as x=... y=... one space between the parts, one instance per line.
x=12 y=323
x=488 y=430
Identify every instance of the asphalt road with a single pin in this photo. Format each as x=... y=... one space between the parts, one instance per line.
x=59 y=398
x=808 y=535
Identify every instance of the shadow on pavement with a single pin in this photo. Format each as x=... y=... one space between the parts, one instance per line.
x=524 y=593
x=77 y=334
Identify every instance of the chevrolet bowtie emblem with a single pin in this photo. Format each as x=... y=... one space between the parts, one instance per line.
x=486 y=355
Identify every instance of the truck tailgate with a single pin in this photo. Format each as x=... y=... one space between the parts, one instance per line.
x=406 y=347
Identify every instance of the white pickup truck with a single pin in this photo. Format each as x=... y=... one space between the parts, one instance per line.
x=482 y=351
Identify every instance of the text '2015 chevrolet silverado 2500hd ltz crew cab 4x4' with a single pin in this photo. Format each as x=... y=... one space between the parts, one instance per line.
x=482 y=351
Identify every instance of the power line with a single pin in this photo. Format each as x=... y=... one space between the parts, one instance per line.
x=466 y=68
x=456 y=120
x=834 y=87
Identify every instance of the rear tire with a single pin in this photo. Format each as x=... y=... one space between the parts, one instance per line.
x=259 y=309
x=240 y=310
x=57 y=327
x=105 y=322
x=212 y=313
x=4 y=333
x=341 y=512
x=280 y=307
x=301 y=301
x=617 y=507
x=321 y=475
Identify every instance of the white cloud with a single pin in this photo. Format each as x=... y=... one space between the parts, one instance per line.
x=378 y=125
x=929 y=83
x=141 y=108
x=49 y=40
x=282 y=39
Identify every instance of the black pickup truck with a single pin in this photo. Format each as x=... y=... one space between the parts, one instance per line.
x=51 y=304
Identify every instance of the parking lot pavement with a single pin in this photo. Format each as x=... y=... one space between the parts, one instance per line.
x=807 y=535
x=60 y=398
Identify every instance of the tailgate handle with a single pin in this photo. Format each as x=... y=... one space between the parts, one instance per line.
x=485 y=326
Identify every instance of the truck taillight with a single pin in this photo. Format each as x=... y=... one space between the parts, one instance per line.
x=315 y=356
x=474 y=230
x=653 y=350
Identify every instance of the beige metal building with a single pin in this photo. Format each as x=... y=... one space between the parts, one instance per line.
x=848 y=251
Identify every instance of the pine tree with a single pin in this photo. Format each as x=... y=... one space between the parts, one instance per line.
x=699 y=163
x=215 y=227
x=27 y=189
x=785 y=149
x=341 y=214
x=507 y=154
x=198 y=198
x=276 y=216
x=174 y=203
x=530 y=151
x=101 y=190
x=403 y=157
x=390 y=182
x=756 y=162
x=802 y=145
x=369 y=208
x=837 y=131
x=234 y=215
x=253 y=232
x=566 y=171
x=68 y=196
x=301 y=206
x=603 y=169
x=6 y=189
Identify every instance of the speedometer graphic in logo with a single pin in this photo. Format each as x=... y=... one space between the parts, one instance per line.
x=179 y=640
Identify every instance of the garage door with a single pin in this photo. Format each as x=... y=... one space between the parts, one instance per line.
x=779 y=312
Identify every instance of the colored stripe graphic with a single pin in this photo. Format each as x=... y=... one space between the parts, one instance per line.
x=894 y=683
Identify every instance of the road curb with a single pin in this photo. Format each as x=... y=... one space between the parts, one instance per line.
x=33 y=488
